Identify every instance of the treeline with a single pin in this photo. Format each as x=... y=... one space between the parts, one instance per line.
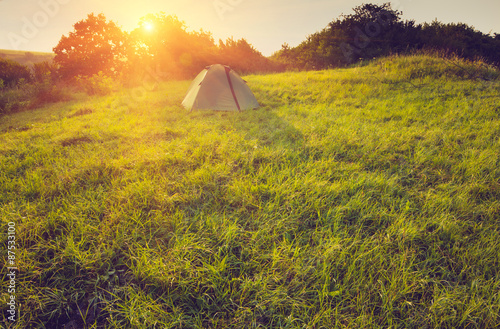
x=98 y=57
x=161 y=46
x=378 y=30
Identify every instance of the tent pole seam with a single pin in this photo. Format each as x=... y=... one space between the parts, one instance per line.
x=231 y=87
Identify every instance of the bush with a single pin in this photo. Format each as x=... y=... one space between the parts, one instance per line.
x=436 y=65
x=11 y=72
x=44 y=71
x=46 y=93
x=13 y=100
x=30 y=96
x=98 y=84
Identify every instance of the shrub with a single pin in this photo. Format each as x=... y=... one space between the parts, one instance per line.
x=11 y=72
x=31 y=95
x=46 y=92
x=13 y=100
x=436 y=65
x=44 y=71
x=98 y=84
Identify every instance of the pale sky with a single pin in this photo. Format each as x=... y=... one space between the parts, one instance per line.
x=37 y=25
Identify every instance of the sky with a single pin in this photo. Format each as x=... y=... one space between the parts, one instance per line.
x=37 y=25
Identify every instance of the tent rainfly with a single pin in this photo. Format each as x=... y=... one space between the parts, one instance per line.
x=219 y=88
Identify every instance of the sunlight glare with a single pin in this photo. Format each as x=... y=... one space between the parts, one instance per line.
x=148 y=26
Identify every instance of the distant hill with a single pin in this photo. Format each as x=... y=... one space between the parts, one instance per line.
x=26 y=57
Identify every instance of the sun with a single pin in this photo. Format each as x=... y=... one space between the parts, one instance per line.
x=148 y=26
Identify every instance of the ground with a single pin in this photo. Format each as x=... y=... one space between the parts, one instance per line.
x=359 y=197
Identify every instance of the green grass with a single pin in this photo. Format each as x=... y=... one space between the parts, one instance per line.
x=26 y=57
x=366 y=197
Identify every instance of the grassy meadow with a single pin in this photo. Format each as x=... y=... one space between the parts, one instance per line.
x=366 y=197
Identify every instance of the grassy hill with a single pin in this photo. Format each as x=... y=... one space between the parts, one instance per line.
x=26 y=57
x=366 y=197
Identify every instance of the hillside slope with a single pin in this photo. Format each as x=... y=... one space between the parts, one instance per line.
x=26 y=57
x=361 y=197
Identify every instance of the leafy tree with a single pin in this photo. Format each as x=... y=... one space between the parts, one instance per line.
x=95 y=45
x=369 y=32
x=165 y=48
x=241 y=56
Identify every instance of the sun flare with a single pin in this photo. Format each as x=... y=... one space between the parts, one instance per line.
x=148 y=26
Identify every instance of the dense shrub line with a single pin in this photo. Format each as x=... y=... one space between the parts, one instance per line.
x=375 y=31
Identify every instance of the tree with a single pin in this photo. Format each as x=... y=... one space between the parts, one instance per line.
x=95 y=45
x=369 y=32
x=162 y=44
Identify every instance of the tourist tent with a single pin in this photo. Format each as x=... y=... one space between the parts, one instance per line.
x=219 y=88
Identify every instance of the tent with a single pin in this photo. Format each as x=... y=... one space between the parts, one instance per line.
x=219 y=88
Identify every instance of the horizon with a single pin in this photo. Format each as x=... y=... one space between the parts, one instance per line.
x=38 y=25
